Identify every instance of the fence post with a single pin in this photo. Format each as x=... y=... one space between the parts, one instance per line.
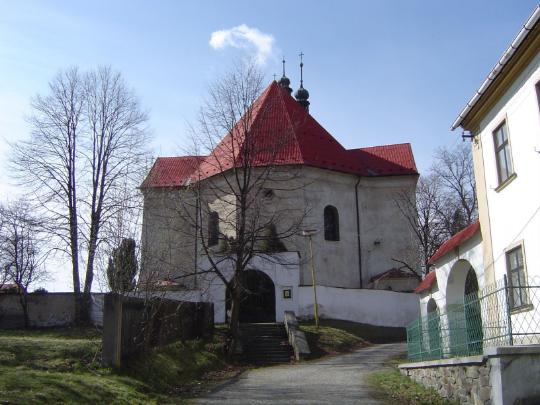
x=112 y=330
x=508 y=317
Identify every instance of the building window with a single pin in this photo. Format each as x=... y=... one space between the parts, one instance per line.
x=331 y=223
x=517 y=281
x=213 y=229
x=502 y=153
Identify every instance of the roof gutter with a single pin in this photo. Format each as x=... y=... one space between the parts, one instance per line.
x=507 y=55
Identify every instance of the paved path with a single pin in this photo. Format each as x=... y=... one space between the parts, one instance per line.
x=332 y=380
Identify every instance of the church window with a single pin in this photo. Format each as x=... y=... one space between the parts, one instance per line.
x=331 y=223
x=213 y=229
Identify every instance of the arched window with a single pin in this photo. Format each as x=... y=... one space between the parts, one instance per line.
x=331 y=223
x=213 y=229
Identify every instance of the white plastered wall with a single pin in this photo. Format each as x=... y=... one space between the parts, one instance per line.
x=452 y=270
x=282 y=268
x=513 y=211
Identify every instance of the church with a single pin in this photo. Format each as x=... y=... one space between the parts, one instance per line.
x=308 y=205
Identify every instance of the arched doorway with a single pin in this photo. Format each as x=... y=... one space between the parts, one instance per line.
x=434 y=330
x=258 y=302
x=473 y=315
x=463 y=310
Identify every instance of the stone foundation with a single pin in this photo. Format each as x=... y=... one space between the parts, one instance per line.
x=503 y=375
x=466 y=384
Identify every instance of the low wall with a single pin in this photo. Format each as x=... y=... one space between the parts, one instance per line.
x=45 y=310
x=373 y=307
x=132 y=324
x=501 y=376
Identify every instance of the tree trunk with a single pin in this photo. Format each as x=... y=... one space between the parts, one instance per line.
x=24 y=305
x=233 y=327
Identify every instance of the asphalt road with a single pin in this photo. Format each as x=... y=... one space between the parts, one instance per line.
x=332 y=380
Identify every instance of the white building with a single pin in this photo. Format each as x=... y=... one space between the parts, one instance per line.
x=503 y=119
x=491 y=335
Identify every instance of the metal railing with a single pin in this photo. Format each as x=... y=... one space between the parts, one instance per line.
x=488 y=317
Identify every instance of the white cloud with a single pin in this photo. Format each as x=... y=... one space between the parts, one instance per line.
x=246 y=38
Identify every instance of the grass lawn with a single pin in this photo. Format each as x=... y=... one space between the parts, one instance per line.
x=335 y=336
x=400 y=389
x=62 y=366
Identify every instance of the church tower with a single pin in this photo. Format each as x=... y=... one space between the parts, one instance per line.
x=284 y=80
x=302 y=94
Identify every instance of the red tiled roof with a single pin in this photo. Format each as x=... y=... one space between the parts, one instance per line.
x=456 y=240
x=429 y=280
x=393 y=273
x=387 y=160
x=282 y=132
x=172 y=171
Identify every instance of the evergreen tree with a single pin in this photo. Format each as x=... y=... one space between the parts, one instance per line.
x=123 y=267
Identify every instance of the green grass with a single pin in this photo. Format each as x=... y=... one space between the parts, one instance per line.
x=62 y=366
x=400 y=389
x=336 y=336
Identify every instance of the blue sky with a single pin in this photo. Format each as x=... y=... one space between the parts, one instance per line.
x=378 y=72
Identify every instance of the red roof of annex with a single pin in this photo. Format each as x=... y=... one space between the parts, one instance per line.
x=284 y=134
x=427 y=282
x=456 y=240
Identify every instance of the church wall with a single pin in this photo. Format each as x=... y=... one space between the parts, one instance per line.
x=167 y=244
x=384 y=230
x=336 y=262
x=300 y=197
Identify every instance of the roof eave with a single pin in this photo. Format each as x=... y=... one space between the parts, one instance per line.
x=502 y=62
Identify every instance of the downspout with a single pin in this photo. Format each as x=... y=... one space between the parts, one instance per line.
x=358 y=231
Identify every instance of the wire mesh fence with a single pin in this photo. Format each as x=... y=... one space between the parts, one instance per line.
x=501 y=314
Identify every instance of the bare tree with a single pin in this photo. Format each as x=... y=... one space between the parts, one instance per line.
x=454 y=167
x=443 y=204
x=88 y=139
x=115 y=149
x=248 y=191
x=22 y=252
x=235 y=204
x=46 y=164
x=421 y=207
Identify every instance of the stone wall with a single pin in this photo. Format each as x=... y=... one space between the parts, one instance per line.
x=503 y=375
x=45 y=310
x=466 y=384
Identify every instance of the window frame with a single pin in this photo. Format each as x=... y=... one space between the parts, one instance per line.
x=331 y=230
x=503 y=151
x=518 y=297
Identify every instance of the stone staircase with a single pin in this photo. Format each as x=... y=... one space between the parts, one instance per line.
x=265 y=344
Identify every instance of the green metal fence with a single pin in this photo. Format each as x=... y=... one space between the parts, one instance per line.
x=489 y=317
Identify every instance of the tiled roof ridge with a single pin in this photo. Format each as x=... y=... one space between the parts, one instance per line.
x=284 y=94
